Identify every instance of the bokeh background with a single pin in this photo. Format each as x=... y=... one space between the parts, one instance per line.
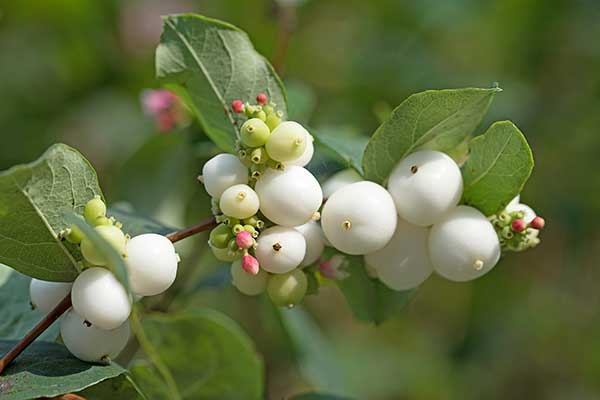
x=72 y=71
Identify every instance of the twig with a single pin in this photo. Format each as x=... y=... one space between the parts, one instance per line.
x=286 y=17
x=65 y=303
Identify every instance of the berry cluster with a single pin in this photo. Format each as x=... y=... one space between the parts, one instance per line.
x=267 y=204
x=96 y=329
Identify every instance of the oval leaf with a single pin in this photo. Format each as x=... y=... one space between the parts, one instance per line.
x=499 y=164
x=33 y=200
x=47 y=370
x=435 y=119
x=207 y=354
x=213 y=63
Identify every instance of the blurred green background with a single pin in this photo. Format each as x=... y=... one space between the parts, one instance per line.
x=72 y=71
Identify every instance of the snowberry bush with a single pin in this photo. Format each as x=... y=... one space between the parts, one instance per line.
x=410 y=204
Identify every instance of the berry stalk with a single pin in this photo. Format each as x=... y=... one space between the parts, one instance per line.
x=65 y=303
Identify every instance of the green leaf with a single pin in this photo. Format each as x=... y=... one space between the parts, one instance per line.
x=135 y=224
x=208 y=355
x=347 y=150
x=213 y=63
x=48 y=369
x=33 y=200
x=16 y=316
x=121 y=387
x=369 y=299
x=314 y=353
x=434 y=119
x=116 y=263
x=317 y=396
x=500 y=162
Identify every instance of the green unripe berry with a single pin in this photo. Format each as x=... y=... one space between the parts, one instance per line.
x=220 y=236
x=287 y=289
x=232 y=246
x=232 y=221
x=273 y=120
x=261 y=115
x=287 y=142
x=75 y=235
x=268 y=109
x=113 y=235
x=224 y=254
x=254 y=132
x=104 y=221
x=250 y=221
x=94 y=209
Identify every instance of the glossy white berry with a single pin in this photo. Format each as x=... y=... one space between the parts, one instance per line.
x=339 y=180
x=287 y=142
x=404 y=262
x=222 y=171
x=280 y=249
x=89 y=343
x=359 y=218
x=246 y=283
x=305 y=158
x=99 y=298
x=239 y=201
x=315 y=241
x=463 y=245
x=151 y=264
x=425 y=185
x=290 y=197
x=46 y=295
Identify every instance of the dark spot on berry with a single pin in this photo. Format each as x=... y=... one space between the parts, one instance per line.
x=414 y=169
x=276 y=247
x=87 y=323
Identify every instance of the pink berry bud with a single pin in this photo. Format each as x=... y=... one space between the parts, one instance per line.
x=518 y=225
x=244 y=240
x=333 y=268
x=237 y=106
x=250 y=264
x=166 y=121
x=262 y=98
x=538 y=223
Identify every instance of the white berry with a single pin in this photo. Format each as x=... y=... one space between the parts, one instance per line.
x=339 y=180
x=239 y=201
x=425 y=185
x=89 y=343
x=222 y=171
x=280 y=249
x=151 y=264
x=290 y=197
x=315 y=241
x=359 y=218
x=46 y=295
x=464 y=245
x=305 y=158
x=516 y=205
x=404 y=262
x=246 y=283
x=98 y=297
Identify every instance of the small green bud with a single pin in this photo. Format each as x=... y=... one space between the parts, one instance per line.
x=232 y=221
x=74 y=235
x=254 y=132
x=113 y=235
x=250 y=221
x=220 y=236
x=249 y=110
x=250 y=228
x=258 y=155
x=287 y=289
x=224 y=254
x=273 y=121
x=268 y=109
x=232 y=246
x=261 y=115
x=94 y=209
x=237 y=229
x=103 y=221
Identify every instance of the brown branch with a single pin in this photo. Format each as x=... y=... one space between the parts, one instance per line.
x=286 y=25
x=65 y=303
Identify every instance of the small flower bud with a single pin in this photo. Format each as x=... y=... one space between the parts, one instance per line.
x=334 y=268
x=238 y=228
x=244 y=240
x=261 y=98
x=518 y=225
x=237 y=106
x=538 y=223
x=250 y=264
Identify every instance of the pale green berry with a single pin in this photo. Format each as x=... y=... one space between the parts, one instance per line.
x=246 y=283
x=287 y=142
x=273 y=121
x=113 y=235
x=220 y=236
x=254 y=132
x=224 y=254
x=287 y=289
x=75 y=234
x=94 y=209
x=239 y=201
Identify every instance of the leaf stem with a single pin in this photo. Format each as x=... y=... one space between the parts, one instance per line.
x=65 y=303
